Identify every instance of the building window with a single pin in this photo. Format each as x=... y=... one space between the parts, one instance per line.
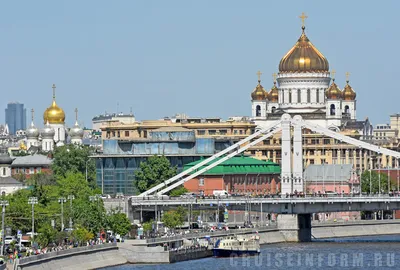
x=273 y=109
x=126 y=133
x=201 y=182
x=327 y=141
x=347 y=110
x=235 y=132
x=38 y=169
x=311 y=161
x=332 y=109
x=258 y=110
x=119 y=134
x=240 y=132
x=201 y=132
x=4 y=171
x=223 y=131
x=212 y=132
x=31 y=170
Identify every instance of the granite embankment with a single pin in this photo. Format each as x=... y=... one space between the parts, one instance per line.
x=355 y=228
x=91 y=257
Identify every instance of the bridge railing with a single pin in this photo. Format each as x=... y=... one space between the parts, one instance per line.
x=212 y=234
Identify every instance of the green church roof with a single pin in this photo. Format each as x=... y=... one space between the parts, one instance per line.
x=239 y=165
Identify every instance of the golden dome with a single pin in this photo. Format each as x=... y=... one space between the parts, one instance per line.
x=333 y=91
x=348 y=92
x=54 y=114
x=273 y=93
x=303 y=57
x=259 y=93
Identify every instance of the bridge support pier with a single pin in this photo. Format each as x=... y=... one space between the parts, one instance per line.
x=295 y=228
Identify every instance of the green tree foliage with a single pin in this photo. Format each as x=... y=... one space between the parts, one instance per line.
x=46 y=235
x=72 y=158
x=370 y=182
x=82 y=235
x=174 y=218
x=148 y=226
x=153 y=172
x=119 y=223
x=176 y=192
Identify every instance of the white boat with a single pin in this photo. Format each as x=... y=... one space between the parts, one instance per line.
x=234 y=245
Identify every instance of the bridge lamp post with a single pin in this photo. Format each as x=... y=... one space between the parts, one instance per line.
x=3 y=204
x=62 y=200
x=33 y=201
x=70 y=198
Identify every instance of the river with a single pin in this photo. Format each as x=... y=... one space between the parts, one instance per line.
x=372 y=252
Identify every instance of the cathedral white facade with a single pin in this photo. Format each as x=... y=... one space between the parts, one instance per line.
x=304 y=86
x=54 y=133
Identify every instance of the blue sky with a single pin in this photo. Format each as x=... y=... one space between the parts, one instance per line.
x=193 y=57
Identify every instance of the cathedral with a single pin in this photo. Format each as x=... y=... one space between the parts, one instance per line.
x=54 y=132
x=304 y=86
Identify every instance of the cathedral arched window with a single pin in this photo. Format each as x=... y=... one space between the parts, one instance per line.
x=290 y=96
x=258 y=110
x=308 y=96
x=317 y=95
x=347 y=109
x=333 y=109
x=4 y=171
x=298 y=96
x=273 y=109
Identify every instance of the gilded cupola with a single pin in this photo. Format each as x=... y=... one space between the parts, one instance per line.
x=54 y=114
x=348 y=91
x=259 y=93
x=273 y=94
x=304 y=56
x=333 y=91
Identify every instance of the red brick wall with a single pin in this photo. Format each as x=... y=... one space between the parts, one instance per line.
x=239 y=184
x=27 y=171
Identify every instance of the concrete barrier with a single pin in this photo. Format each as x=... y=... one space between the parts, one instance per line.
x=90 y=257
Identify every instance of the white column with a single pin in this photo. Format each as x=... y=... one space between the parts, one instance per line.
x=286 y=151
x=297 y=155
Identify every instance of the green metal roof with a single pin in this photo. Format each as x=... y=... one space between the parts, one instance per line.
x=239 y=165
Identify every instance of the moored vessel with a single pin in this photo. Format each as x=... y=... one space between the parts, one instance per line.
x=234 y=245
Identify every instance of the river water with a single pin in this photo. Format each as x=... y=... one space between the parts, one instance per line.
x=374 y=252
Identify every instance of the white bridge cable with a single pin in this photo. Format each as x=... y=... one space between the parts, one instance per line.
x=349 y=140
x=208 y=160
x=219 y=161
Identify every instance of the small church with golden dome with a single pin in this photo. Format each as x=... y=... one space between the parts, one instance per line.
x=54 y=132
x=303 y=87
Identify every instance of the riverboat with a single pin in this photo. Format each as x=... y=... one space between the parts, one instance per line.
x=234 y=245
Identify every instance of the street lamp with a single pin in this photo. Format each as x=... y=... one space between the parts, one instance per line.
x=3 y=204
x=33 y=201
x=70 y=198
x=62 y=200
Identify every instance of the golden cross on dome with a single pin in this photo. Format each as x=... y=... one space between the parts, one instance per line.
x=54 y=91
x=259 y=73
x=303 y=18
x=347 y=76
x=274 y=75
x=333 y=72
x=76 y=114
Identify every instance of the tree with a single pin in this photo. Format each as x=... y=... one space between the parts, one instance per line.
x=72 y=158
x=82 y=235
x=176 y=192
x=148 y=226
x=174 y=218
x=153 y=172
x=119 y=223
x=370 y=182
x=46 y=235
